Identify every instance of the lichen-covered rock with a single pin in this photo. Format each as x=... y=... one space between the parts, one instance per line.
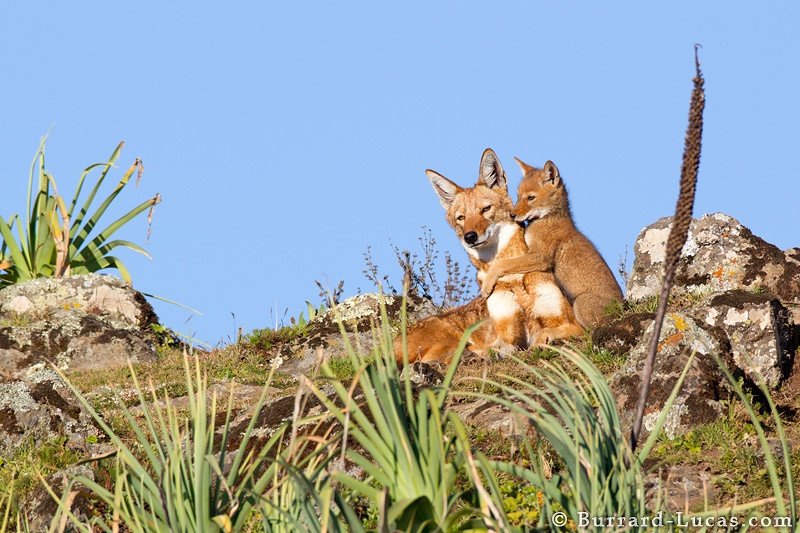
x=78 y=323
x=719 y=255
x=94 y=294
x=359 y=314
x=732 y=283
x=758 y=331
x=41 y=408
x=72 y=341
x=698 y=401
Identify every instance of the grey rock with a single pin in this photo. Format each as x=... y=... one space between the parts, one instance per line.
x=730 y=282
x=622 y=334
x=698 y=401
x=39 y=409
x=494 y=418
x=684 y=487
x=757 y=328
x=720 y=255
x=94 y=294
x=78 y=323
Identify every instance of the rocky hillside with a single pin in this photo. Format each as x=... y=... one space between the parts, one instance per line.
x=736 y=296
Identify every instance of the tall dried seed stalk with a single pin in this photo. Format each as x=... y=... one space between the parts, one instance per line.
x=677 y=235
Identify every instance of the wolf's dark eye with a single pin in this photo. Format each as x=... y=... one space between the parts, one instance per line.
x=485 y=209
x=460 y=218
x=531 y=198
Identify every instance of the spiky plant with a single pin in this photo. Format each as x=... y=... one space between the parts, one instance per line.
x=405 y=443
x=572 y=407
x=57 y=240
x=183 y=480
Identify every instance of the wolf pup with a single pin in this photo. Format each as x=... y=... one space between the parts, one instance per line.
x=526 y=308
x=555 y=245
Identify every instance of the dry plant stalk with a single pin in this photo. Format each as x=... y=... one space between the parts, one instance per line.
x=677 y=235
x=60 y=232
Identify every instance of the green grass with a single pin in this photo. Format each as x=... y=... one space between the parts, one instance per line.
x=16 y=320
x=730 y=452
x=240 y=363
x=342 y=367
x=722 y=435
x=643 y=305
x=29 y=461
x=265 y=339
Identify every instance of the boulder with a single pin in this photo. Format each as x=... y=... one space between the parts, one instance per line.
x=757 y=329
x=93 y=294
x=622 y=334
x=699 y=399
x=79 y=323
x=684 y=487
x=719 y=255
x=493 y=418
x=39 y=409
x=730 y=282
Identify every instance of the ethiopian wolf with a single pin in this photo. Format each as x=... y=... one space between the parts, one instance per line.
x=555 y=245
x=524 y=309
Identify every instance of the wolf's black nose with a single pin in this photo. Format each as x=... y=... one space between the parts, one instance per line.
x=471 y=237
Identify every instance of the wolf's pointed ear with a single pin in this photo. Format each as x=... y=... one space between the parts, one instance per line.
x=445 y=189
x=525 y=167
x=491 y=173
x=551 y=173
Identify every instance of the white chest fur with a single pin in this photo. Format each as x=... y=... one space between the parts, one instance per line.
x=498 y=236
x=502 y=305
x=549 y=300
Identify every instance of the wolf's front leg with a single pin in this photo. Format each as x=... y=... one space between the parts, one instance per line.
x=490 y=280
x=509 y=320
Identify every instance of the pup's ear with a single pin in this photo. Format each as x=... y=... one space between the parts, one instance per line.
x=551 y=173
x=445 y=189
x=491 y=172
x=525 y=167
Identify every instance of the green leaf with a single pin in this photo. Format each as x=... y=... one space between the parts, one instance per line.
x=87 y=228
x=173 y=302
x=107 y=247
x=312 y=311
x=77 y=220
x=98 y=241
x=412 y=514
x=99 y=263
x=21 y=269
x=34 y=253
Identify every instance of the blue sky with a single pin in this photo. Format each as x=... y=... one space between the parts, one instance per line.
x=285 y=138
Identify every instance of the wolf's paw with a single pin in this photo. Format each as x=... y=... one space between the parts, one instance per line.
x=501 y=349
x=487 y=287
x=473 y=358
x=545 y=336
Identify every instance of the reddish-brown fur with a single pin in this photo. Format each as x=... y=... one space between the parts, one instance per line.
x=556 y=245
x=480 y=216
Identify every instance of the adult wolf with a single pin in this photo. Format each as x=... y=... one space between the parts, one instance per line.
x=524 y=308
x=555 y=245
